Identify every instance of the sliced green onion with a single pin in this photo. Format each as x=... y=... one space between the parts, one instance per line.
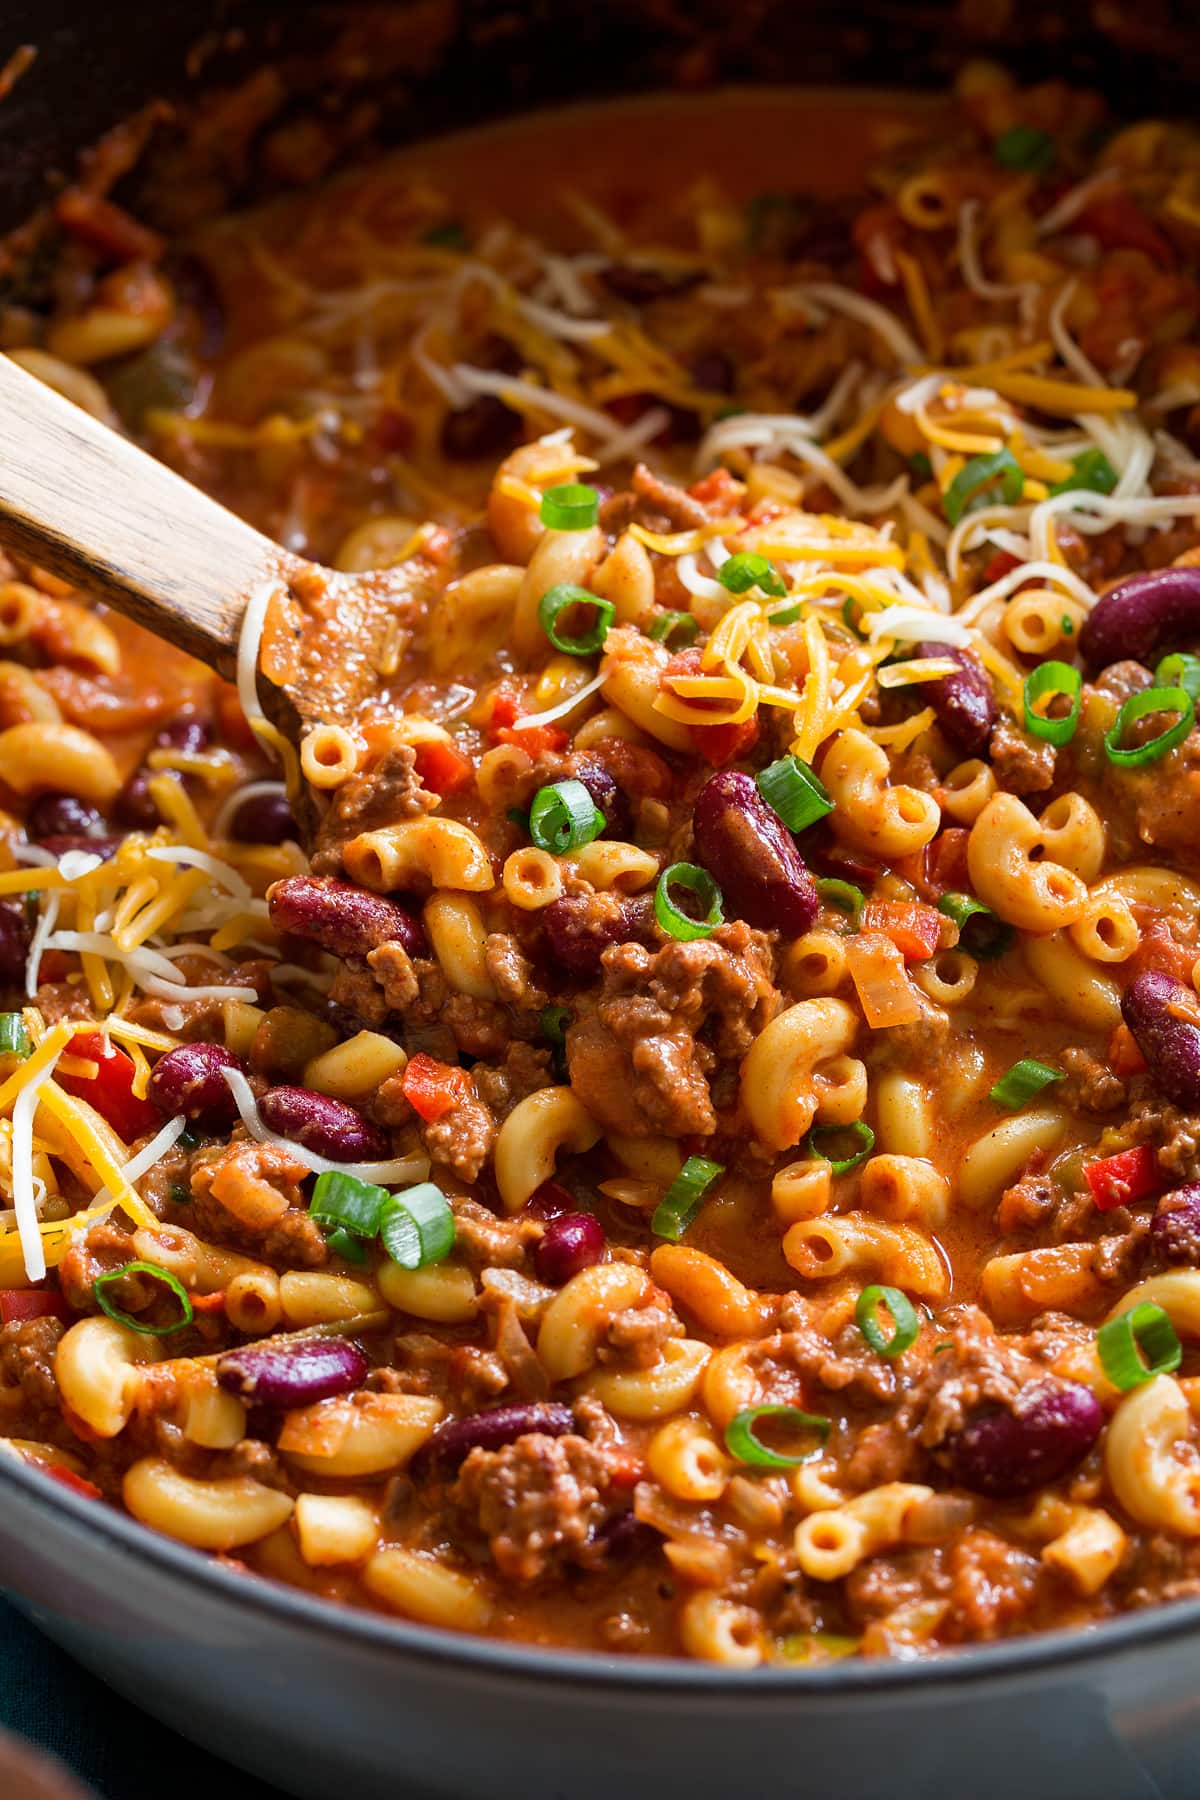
x=417 y=1227
x=684 y=627
x=746 y=569
x=980 y=933
x=563 y=817
x=1025 y=147
x=1138 y=1345
x=450 y=236
x=791 y=789
x=176 y=1287
x=1047 y=679
x=516 y=817
x=350 y=1249
x=968 y=485
x=1150 y=700
x=787 y=615
x=861 y=1134
x=1091 y=470
x=14 y=1039
x=573 y=506
x=560 y=599
x=1181 y=671
x=554 y=1022
x=742 y=1439
x=1067 y=625
x=695 y=881
x=844 y=895
x=1020 y=1083
x=920 y=465
x=906 y=1325
x=344 y=1202
x=681 y=1202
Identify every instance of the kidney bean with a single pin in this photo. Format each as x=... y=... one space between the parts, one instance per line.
x=580 y=927
x=624 y=1534
x=453 y=1442
x=572 y=1242
x=752 y=856
x=281 y=1376
x=341 y=918
x=712 y=371
x=263 y=819
x=326 y=1127
x=1175 y=1227
x=189 y=733
x=62 y=815
x=602 y=786
x=134 y=806
x=964 y=703
x=550 y=1201
x=1051 y=1426
x=484 y=427
x=1141 y=616
x=189 y=1080
x=15 y=933
x=103 y=847
x=1160 y=1011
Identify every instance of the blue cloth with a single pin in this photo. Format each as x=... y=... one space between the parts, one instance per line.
x=120 y=1752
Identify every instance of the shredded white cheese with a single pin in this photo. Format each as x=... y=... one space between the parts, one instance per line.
x=399 y=1171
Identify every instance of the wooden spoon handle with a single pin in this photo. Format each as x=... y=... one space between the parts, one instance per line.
x=87 y=504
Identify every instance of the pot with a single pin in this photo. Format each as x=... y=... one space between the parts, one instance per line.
x=321 y=1700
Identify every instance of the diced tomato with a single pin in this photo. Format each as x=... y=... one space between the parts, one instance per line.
x=535 y=740
x=719 y=744
x=438 y=545
x=1124 y=1057
x=1161 y=950
x=946 y=862
x=505 y=725
x=1002 y=564
x=433 y=1088
x=19 y=1304
x=1117 y=1180
x=443 y=769
x=1119 y=223
x=915 y=930
x=110 y=1091
x=718 y=491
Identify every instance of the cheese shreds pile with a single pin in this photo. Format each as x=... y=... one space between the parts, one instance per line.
x=123 y=927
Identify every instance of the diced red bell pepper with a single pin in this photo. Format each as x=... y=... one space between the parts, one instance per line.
x=946 y=862
x=19 y=1304
x=110 y=1091
x=443 y=769
x=433 y=1088
x=719 y=744
x=505 y=726
x=719 y=491
x=1118 y=1180
x=915 y=930
x=78 y=1484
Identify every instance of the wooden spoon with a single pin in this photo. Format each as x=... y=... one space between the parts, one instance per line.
x=85 y=503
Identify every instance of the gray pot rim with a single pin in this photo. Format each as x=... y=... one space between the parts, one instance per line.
x=579 y=1668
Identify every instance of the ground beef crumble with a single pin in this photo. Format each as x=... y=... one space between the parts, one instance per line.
x=539 y=1501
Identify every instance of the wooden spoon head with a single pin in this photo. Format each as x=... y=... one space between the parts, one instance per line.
x=331 y=642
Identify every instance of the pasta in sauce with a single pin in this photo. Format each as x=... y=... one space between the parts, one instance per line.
x=704 y=1156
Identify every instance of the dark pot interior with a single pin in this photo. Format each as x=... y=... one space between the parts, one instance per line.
x=432 y=65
